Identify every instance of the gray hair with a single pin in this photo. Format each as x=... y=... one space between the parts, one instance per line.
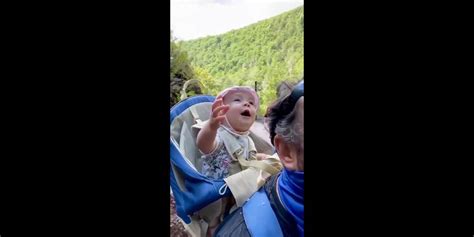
x=290 y=129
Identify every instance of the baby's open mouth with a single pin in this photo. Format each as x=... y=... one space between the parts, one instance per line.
x=245 y=113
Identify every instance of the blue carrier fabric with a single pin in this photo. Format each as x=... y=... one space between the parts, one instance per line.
x=192 y=190
x=197 y=191
x=259 y=216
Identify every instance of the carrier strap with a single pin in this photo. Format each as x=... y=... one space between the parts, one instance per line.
x=195 y=114
x=259 y=216
x=238 y=154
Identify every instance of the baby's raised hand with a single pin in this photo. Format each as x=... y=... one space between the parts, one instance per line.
x=218 y=113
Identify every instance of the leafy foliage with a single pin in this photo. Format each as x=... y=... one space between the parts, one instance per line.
x=269 y=52
x=180 y=71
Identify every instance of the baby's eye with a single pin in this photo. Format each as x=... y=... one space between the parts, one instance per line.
x=236 y=99
x=251 y=102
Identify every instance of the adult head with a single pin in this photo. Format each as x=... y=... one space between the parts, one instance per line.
x=286 y=125
x=286 y=122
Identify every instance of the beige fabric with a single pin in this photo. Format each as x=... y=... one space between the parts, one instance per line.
x=261 y=144
x=183 y=131
x=247 y=182
x=197 y=227
x=211 y=211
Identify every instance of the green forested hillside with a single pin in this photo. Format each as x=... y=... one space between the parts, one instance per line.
x=180 y=72
x=268 y=51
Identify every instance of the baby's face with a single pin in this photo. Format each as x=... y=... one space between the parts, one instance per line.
x=242 y=111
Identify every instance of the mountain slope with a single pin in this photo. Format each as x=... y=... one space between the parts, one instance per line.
x=268 y=52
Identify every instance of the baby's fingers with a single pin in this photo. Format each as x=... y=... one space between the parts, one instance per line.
x=220 y=118
x=217 y=103
x=219 y=111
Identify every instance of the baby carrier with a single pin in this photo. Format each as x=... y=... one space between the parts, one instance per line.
x=195 y=194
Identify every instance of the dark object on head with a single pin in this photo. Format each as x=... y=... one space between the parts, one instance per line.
x=283 y=107
x=284 y=88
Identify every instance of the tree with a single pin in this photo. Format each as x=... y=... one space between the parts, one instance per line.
x=269 y=52
x=180 y=71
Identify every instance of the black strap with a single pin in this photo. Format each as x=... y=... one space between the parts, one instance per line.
x=233 y=226
x=287 y=222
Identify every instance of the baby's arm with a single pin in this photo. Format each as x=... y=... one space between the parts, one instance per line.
x=206 y=138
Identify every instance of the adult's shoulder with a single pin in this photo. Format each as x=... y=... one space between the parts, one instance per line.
x=234 y=224
x=286 y=221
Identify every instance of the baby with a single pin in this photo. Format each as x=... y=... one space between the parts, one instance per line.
x=233 y=113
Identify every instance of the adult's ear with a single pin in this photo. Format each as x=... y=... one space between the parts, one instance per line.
x=286 y=153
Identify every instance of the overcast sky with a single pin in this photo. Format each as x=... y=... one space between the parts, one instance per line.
x=191 y=19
